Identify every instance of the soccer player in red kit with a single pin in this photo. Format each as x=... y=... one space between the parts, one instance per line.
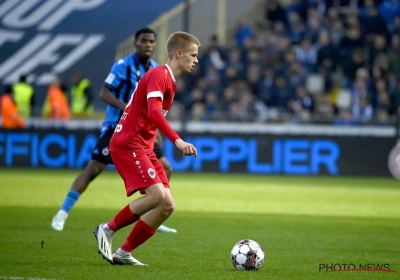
x=131 y=149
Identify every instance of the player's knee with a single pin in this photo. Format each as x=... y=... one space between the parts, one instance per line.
x=93 y=170
x=155 y=194
x=169 y=208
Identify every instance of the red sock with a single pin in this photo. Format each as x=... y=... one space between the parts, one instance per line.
x=124 y=218
x=139 y=234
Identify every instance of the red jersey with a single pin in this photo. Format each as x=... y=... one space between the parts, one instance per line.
x=145 y=112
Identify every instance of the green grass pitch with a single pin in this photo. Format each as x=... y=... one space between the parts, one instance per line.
x=299 y=221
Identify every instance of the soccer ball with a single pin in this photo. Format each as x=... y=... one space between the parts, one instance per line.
x=247 y=255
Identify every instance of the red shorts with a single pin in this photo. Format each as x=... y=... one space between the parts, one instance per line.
x=139 y=171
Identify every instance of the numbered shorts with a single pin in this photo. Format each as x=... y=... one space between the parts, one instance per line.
x=139 y=171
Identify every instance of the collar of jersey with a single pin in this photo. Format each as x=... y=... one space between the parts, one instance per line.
x=170 y=71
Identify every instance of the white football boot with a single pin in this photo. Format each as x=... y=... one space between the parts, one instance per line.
x=104 y=242
x=165 y=229
x=126 y=260
x=58 y=221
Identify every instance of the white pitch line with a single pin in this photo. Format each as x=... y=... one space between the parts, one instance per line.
x=23 y=278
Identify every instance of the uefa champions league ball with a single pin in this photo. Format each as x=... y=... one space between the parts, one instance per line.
x=247 y=255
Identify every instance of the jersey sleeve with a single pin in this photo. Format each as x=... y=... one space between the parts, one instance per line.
x=155 y=115
x=117 y=75
x=157 y=85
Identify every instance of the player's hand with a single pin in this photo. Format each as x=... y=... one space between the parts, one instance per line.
x=187 y=148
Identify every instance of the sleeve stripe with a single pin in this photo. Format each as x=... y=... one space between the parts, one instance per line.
x=155 y=94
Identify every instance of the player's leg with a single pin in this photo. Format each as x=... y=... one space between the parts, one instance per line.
x=91 y=171
x=168 y=171
x=138 y=174
x=161 y=213
x=144 y=229
x=99 y=161
x=155 y=195
x=167 y=166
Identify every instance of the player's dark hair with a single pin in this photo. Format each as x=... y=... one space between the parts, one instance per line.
x=144 y=30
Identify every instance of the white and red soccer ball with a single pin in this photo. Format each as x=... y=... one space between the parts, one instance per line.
x=247 y=255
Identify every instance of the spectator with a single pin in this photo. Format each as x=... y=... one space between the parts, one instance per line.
x=211 y=103
x=313 y=29
x=326 y=55
x=362 y=110
x=243 y=32
x=389 y=10
x=196 y=95
x=375 y=25
x=298 y=6
x=56 y=104
x=337 y=32
x=174 y=113
x=24 y=97
x=215 y=54
x=296 y=27
x=351 y=66
x=325 y=109
x=253 y=76
x=352 y=40
x=344 y=117
x=345 y=55
x=396 y=26
x=81 y=95
x=10 y=116
x=274 y=12
x=250 y=108
x=307 y=55
x=198 y=112
x=394 y=55
x=281 y=94
x=303 y=101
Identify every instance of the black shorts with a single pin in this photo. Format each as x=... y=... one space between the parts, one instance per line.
x=158 y=150
x=102 y=154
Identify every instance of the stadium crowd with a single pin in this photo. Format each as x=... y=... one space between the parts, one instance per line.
x=308 y=61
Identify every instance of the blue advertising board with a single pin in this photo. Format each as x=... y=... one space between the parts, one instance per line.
x=258 y=153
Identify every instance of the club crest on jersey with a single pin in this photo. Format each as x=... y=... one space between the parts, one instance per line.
x=164 y=112
x=105 y=151
x=152 y=173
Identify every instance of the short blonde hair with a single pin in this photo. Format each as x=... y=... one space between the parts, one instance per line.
x=180 y=41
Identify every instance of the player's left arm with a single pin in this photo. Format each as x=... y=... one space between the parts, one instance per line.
x=109 y=98
x=155 y=94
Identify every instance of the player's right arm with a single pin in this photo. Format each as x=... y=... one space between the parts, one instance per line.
x=112 y=83
x=155 y=94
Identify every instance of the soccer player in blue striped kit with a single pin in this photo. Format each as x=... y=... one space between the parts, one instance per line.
x=116 y=92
